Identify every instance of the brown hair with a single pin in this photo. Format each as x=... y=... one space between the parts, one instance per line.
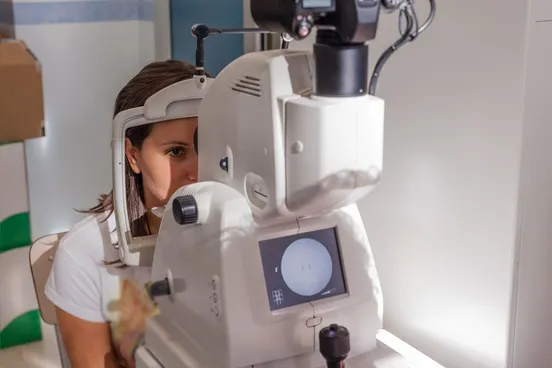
x=150 y=80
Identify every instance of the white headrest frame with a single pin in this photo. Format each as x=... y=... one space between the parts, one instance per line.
x=180 y=100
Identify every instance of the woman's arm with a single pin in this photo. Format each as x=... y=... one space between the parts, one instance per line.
x=88 y=344
x=75 y=288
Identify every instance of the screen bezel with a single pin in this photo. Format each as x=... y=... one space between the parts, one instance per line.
x=341 y=277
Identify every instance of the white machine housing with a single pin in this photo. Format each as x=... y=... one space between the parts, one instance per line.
x=177 y=101
x=295 y=163
x=290 y=153
x=218 y=315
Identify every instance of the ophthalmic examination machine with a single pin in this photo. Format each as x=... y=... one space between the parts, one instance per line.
x=265 y=261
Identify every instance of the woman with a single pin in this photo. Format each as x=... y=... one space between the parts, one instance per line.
x=102 y=305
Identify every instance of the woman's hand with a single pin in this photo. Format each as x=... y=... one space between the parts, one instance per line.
x=134 y=308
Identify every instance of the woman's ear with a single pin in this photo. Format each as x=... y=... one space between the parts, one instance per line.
x=131 y=153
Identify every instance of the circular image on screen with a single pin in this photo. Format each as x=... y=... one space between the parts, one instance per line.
x=306 y=267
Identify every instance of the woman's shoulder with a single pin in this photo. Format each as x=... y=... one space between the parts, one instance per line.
x=79 y=281
x=93 y=237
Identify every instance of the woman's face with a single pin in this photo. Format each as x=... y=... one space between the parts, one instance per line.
x=167 y=159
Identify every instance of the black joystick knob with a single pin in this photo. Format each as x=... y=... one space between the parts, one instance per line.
x=160 y=288
x=185 y=210
x=334 y=345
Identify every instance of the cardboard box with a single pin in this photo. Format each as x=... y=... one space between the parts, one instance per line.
x=21 y=98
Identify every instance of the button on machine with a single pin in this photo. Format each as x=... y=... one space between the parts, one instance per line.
x=214 y=288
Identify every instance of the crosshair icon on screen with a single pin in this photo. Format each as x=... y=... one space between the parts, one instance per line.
x=278 y=296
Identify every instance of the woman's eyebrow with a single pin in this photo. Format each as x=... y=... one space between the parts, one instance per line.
x=176 y=143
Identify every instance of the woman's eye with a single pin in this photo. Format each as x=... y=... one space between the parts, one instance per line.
x=176 y=152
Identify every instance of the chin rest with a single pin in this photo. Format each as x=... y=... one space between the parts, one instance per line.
x=41 y=257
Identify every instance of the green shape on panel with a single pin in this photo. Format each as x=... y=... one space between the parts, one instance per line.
x=15 y=232
x=22 y=330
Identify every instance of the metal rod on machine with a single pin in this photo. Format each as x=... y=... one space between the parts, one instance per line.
x=201 y=32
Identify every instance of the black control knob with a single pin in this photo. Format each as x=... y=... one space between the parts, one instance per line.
x=334 y=345
x=185 y=210
x=200 y=31
x=159 y=288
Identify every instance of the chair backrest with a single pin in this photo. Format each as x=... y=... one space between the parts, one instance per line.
x=41 y=257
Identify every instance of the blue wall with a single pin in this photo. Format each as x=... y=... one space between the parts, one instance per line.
x=220 y=50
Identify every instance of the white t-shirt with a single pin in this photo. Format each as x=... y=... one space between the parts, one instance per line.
x=83 y=284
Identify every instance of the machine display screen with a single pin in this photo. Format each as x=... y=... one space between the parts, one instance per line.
x=313 y=4
x=301 y=268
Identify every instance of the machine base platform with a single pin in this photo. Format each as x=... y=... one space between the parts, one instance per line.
x=386 y=355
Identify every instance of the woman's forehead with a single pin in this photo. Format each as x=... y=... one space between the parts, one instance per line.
x=178 y=128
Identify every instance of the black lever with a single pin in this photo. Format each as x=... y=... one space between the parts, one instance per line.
x=334 y=345
x=201 y=32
